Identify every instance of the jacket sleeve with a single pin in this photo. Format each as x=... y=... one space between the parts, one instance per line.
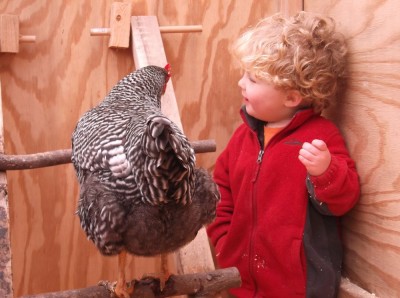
x=337 y=190
x=219 y=228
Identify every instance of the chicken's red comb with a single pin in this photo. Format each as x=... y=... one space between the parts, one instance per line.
x=168 y=69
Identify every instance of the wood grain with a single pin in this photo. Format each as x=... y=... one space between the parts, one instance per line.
x=49 y=84
x=369 y=116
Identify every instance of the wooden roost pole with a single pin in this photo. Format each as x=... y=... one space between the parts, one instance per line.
x=204 y=284
x=63 y=156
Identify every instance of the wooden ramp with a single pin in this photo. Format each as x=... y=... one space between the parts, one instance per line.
x=148 y=49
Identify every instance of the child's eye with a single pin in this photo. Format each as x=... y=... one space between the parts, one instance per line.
x=251 y=77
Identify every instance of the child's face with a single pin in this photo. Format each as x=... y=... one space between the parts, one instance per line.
x=263 y=101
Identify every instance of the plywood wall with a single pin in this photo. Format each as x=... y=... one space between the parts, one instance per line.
x=369 y=116
x=49 y=84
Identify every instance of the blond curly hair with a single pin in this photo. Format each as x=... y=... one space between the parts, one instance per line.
x=303 y=53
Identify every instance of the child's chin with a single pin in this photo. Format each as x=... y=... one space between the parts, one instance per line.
x=249 y=111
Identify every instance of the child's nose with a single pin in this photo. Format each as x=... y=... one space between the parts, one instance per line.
x=241 y=82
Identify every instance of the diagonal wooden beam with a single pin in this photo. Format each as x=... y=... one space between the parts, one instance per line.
x=148 y=49
x=6 y=288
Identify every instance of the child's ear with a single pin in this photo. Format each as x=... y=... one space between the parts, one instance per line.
x=293 y=99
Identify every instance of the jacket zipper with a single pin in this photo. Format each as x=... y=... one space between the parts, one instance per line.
x=254 y=209
x=254 y=221
x=260 y=156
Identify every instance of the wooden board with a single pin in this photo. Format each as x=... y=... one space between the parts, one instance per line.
x=9 y=33
x=369 y=116
x=120 y=25
x=148 y=49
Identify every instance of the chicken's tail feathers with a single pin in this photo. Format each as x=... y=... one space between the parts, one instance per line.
x=169 y=161
x=162 y=135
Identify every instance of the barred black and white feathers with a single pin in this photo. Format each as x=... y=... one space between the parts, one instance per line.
x=137 y=169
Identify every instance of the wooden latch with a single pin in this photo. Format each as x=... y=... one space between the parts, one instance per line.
x=9 y=34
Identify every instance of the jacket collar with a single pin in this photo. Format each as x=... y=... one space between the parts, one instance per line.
x=298 y=119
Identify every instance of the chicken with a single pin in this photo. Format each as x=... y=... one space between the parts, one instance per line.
x=140 y=191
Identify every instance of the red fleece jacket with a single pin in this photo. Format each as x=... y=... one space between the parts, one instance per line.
x=267 y=209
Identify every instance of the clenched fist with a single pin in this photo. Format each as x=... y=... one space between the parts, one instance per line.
x=315 y=156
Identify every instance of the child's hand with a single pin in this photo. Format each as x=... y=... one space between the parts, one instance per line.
x=315 y=157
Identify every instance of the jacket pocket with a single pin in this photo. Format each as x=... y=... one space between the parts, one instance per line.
x=297 y=268
x=219 y=246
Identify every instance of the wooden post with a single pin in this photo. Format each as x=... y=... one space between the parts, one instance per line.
x=120 y=25
x=6 y=289
x=148 y=49
x=9 y=33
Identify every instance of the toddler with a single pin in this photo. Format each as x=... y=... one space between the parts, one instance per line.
x=285 y=176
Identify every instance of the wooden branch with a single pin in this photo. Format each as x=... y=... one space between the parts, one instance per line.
x=32 y=161
x=58 y=157
x=197 y=284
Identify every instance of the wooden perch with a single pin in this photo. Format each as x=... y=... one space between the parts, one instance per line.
x=195 y=285
x=58 y=157
x=163 y=29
